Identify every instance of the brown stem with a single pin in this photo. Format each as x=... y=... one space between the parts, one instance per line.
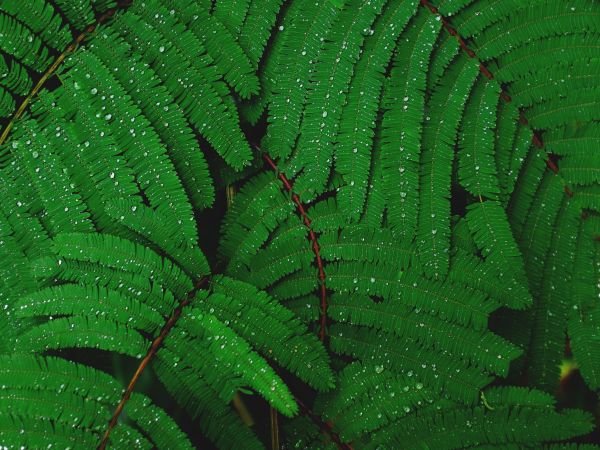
x=151 y=352
x=274 y=428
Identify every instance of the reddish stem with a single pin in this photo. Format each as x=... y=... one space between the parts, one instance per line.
x=313 y=238
x=536 y=138
x=325 y=427
x=553 y=167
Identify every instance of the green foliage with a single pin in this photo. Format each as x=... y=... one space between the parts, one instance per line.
x=405 y=271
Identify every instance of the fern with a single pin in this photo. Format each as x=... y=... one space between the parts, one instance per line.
x=407 y=257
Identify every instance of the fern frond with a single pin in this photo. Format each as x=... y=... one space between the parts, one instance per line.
x=439 y=134
x=583 y=331
x=409 y=288
x=583 y=308
x=535 y=240
x=160 y=108
x=165 y=44
x=240 y=361
x=262 y=206
x=164 y=232
x=485 y=350
x=232 y=13
x=220 y=422
x=21 y=43
x=123 y=255
x=129 y=284
x=83 y=332
x=256 y=29
x=78 y=12
x=229 y=57
x=382 y=397
x=491 y=231
x=488 y=278
x=90 y=151
x=505 y=136
x=507 y=423
x=14 y=79
x=42 y=18
x=527 y=184
x=476 y=165
x=423 y=231
x=140 y=141
x=437 y=371
x=352 y=151
x=551 y=304
x=331 y=80
x=403 y=121
x=65 y=211
x=74 y=300
x=302 y=42
x=73 y=403
x=293 y=348
x=571 y=139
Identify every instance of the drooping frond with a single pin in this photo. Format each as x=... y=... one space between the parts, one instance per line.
x=331 y=81
x=433 y=234
x=403 y=122
x=355 y=135
x=303 y=39
x=72 y=404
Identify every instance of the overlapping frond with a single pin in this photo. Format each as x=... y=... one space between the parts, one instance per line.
x=425 y=229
